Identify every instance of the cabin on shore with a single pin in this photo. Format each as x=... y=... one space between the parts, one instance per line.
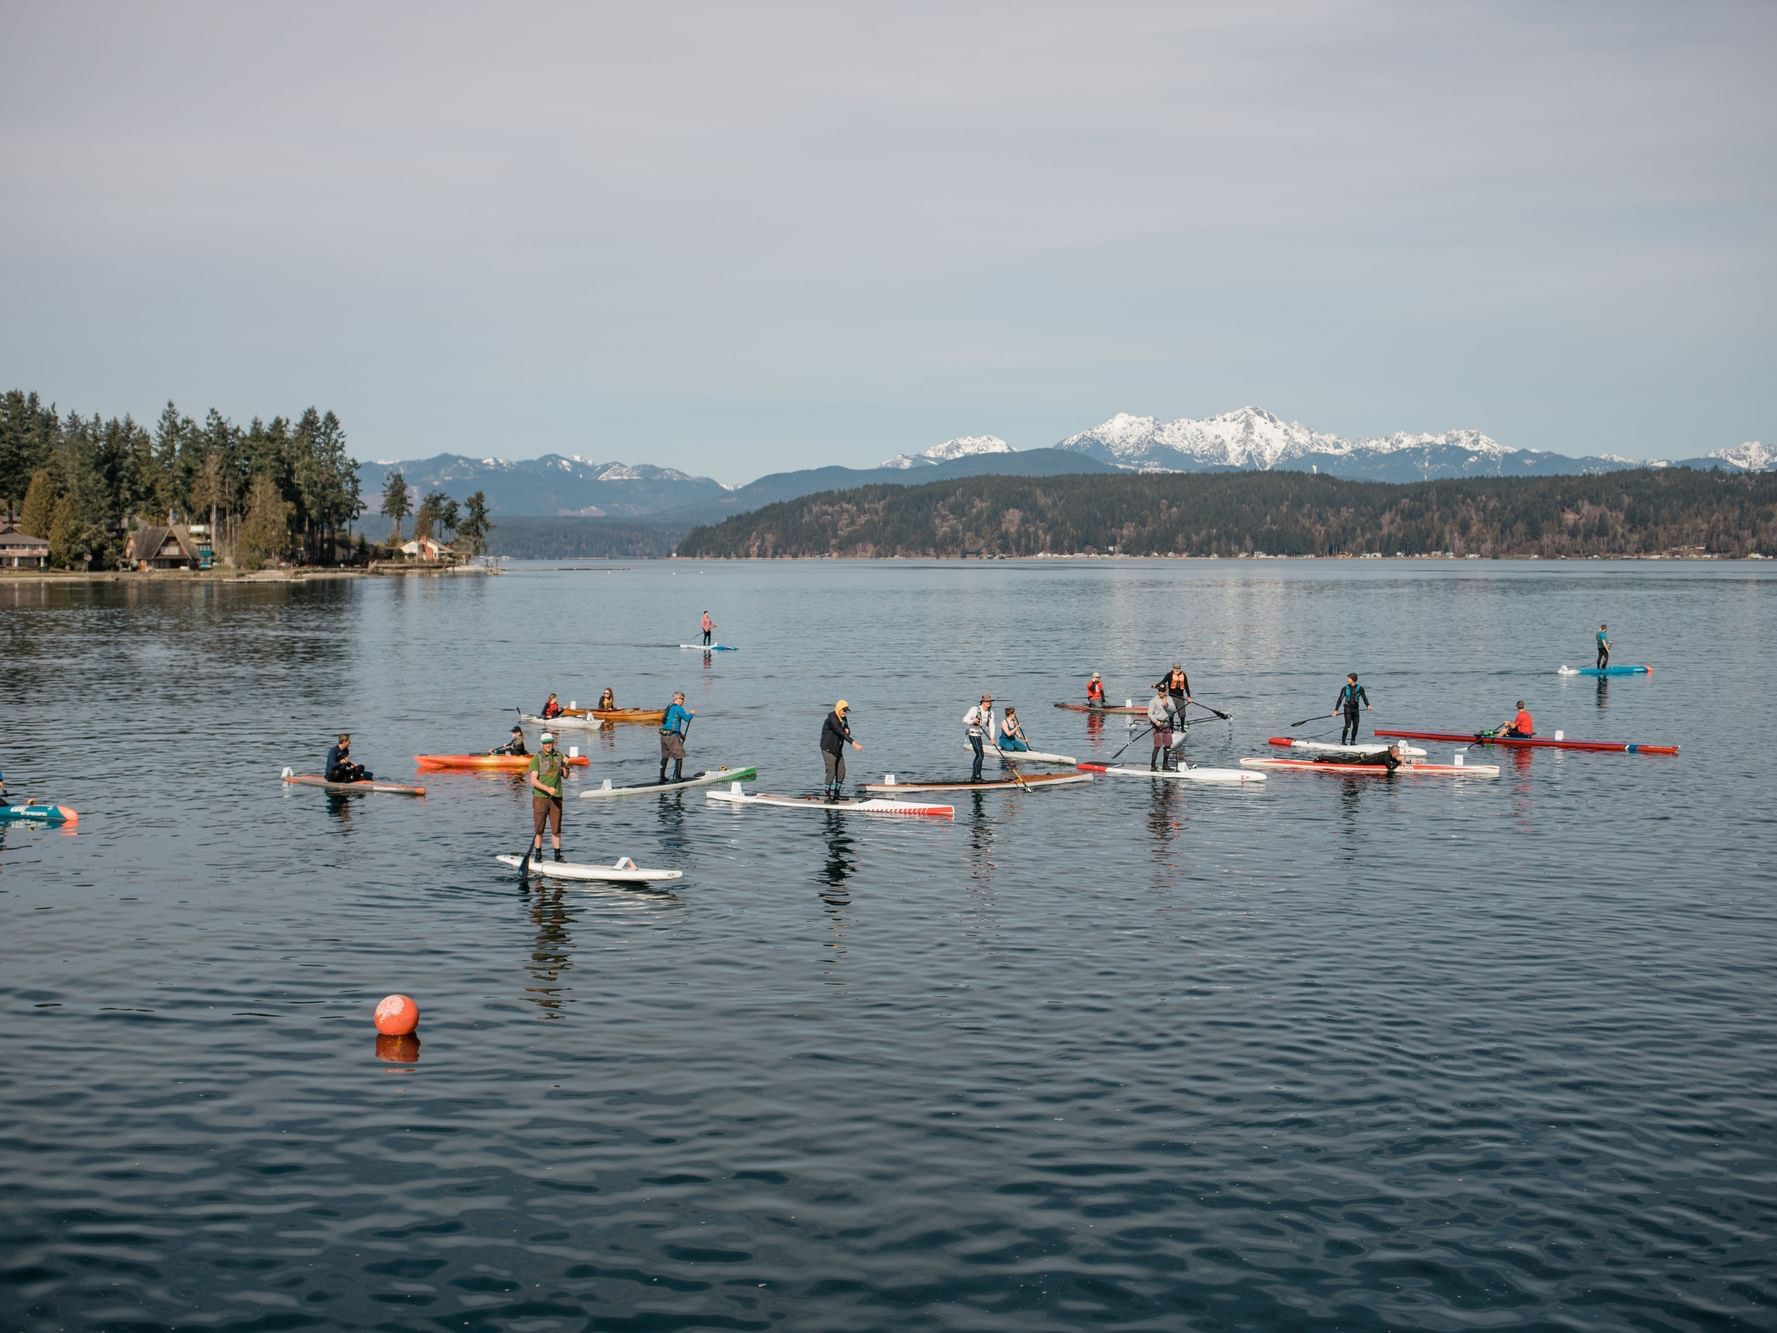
x=428 y=550
x=20 y=550
x=156 y=547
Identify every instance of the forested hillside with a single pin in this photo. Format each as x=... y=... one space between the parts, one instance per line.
x=1640 y=512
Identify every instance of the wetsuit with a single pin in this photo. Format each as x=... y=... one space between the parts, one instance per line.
x=1351 y=698
x=1177 y=691
x=340 y=767
x=835 y=736
x=1603 y=650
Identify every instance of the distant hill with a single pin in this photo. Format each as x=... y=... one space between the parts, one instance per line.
x=551 y=485
x=1641 y=512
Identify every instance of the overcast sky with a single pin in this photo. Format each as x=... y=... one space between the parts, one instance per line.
x=739 y=237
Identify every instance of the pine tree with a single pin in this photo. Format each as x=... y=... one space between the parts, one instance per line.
x=473 y=530
x=265 y=533
x=40 y=503
x=395 y=503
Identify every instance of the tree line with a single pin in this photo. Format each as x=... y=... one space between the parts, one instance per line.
x=270 y=492
x=1640 y=512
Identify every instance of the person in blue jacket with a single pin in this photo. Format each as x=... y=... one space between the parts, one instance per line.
x=672 y=736
x=1603 y=646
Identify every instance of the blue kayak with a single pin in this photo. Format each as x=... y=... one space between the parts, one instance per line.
x=42 y=814
x=1641 y=670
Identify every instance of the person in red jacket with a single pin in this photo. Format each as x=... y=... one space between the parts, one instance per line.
x=1095 y=692
x=1521 y=726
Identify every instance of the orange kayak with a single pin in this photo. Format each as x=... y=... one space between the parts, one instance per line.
x=507 y=761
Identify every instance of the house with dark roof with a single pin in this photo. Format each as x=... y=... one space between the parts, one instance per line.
x=20 y=550
x=155 y=547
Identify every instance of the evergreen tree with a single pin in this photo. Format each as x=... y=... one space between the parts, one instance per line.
x=395 y=503
x=40 y=503
x=476 y=525
x=265 y=532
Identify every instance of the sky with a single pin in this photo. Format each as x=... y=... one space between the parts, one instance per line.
x=739 y=238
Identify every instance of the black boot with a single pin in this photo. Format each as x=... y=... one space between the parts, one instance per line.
x=678 y=770
x=1154 y=759
x=558 y=855
x=662 y=780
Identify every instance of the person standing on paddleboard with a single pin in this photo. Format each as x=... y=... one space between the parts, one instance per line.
x=1351 y=694
x=979 y=723
x=1160 y=714
x=1522 y=726
x=672 y=735
x=835 y=736
x=340 y=767
x=1095 y=691
x=547 y=770
x=1176 y=686
x=708 y=627
x=1603 y=647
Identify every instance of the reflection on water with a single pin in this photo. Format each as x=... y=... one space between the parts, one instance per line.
x=1253 y=1058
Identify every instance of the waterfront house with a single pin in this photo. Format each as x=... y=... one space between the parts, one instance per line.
x=424 y=548
x=155 y=547
x=20 y=550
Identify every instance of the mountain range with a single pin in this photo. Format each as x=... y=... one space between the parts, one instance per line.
x=1249 y=439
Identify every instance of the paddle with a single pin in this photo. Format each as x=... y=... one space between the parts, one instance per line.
x=1226 y=717
x=1305 y=721
x=1132 y=740
x=1008 y=766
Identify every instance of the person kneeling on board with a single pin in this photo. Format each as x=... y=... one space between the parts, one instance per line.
x=1160 y=718
x=835 y=736
x=1351 y=694
x=1521 y=727
x=979 y=722
x=340 y=767
x=672 y=736
x=1012 y=739
x=546 y=772
x=513 y=745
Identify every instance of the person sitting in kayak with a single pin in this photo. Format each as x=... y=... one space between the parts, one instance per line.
x=1160 y=716
x=340 y=767
x=672 y=736
x=513 y=745
x=608 y=701
x=551 y=707
x=1521 y=727
x=979 y=723
x=835 y=736
x=1095 y=692
x=1603 y=646
x=1176 y=686
x=1350 y=695
x=1012 y=733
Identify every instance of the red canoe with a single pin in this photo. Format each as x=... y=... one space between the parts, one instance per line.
x=1527 y=742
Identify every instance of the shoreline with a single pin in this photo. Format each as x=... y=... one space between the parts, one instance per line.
x=302 y=574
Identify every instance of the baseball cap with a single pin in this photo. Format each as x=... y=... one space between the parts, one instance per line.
x=547 y=736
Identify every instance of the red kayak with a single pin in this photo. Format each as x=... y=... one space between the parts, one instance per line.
x=1527 y=742
x=1130 y=709
x=511 y=761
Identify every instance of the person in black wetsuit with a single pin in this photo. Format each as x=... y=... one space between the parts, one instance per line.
x=1389 y=758
x=1351 y=694
x=340 y=767
x=835 y=736
x=1176 y=686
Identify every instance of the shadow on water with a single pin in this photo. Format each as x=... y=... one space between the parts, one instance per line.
x=550 y=959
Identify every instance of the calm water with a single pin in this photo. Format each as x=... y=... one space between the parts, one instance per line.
x=1329 y=1053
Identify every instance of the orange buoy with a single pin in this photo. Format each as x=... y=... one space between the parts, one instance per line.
x=397 y=1015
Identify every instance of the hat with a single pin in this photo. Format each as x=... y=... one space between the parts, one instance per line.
x=547 y=738
x=841 y=706
x=517 y=730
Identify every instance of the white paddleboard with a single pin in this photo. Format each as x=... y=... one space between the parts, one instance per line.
x=1025 y=756
x=1328 y=747
x=607 y=789
x=709 y=647
x=625 y=871
x=1182 y=774
x=735 y=796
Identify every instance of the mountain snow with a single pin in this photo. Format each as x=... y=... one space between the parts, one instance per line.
x=1248 y=438
x=1749 y=457
x=963 y=446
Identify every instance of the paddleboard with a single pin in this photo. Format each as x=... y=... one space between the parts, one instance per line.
x=990 y=784
x=316 y=780
x=1183 y=774
x=1327 y=747
x=607 y=789
x=709 y=647
x=1127 y=710
x=875 y=806
x=42 y=814
x=1025 y=756
x=1640 y=670
x=625 y=871
x=1376 y=770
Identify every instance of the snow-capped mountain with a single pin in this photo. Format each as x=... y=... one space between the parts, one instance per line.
x=1749 y=457
x=964 y=446
x=1254 y=439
